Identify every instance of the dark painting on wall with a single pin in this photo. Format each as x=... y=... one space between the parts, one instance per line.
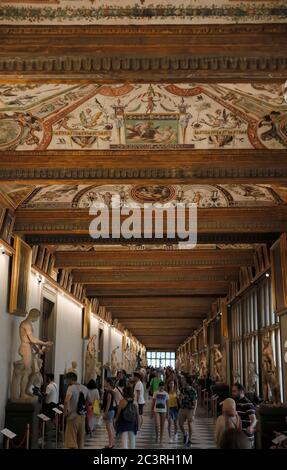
x=20 y=278
x=7 y=220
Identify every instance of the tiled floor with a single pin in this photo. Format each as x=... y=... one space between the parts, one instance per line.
x=202 y=437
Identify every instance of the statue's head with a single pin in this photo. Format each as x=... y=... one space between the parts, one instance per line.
x=34 y=314
x=74 y=364
x=266 y=340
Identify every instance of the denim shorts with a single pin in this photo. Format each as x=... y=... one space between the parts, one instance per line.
x=110 y=415
x=173 y=414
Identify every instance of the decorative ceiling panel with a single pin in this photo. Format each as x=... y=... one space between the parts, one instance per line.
x=79 y=196
x=142 y=116
x=141 y=11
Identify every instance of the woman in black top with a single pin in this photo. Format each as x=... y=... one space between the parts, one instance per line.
x=109 y=411
x=127 y=419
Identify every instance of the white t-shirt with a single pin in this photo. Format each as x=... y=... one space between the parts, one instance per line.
x=74 y=392
x=139 y=387
x=161 y=400
x=52 y=393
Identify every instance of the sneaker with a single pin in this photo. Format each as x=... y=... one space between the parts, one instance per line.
x=185 y=438
x=188 y=444
x=175 y=436
x=170 y=440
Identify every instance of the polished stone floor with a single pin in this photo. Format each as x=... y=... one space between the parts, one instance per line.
x=202 y=437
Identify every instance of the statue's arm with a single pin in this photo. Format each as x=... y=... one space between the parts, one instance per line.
x=34 y=340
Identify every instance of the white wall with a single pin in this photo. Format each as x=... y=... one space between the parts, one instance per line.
x=69 y=342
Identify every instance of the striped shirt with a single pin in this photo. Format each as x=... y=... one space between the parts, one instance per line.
x=245 y=409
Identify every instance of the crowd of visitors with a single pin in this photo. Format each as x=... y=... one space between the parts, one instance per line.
x=171 y=401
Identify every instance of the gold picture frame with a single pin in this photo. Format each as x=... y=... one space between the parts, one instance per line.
x=86 y=320
x=278 y=254
x=6 y=225
x=20 y=278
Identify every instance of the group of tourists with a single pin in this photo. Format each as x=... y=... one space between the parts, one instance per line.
x=171 y=399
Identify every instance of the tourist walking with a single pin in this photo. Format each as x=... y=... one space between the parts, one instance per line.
x=126 y=421
x=160 y=411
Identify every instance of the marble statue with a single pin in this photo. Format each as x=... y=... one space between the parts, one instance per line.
x=92 y=366
x=127 y=357
x=252 y=377
x=139 y=360
x=269 y=372
x=236 y=376
x=114 y=362
x=26 y=373
x=217 y=363
x=191 y=369
x=73 y=368
x=202 y=368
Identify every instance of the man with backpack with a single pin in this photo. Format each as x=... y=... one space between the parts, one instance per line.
x=75 y=409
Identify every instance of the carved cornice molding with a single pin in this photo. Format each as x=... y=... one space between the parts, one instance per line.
x=154 y=262
x=100 y=64
x=70 y=239
x=135 y=30
x=67 y=174
x=70 y=226
x=155 y=277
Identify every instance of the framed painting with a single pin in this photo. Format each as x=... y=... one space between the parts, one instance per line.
x=279 y=274
x=7 y=225
x=151 y=129
x=20 y=278
x=2 y=216
x=86 y=320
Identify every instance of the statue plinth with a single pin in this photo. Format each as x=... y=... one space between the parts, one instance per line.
x=18 y=415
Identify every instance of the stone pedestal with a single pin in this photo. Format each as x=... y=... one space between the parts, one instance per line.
x=18 y=415
x=270 y=418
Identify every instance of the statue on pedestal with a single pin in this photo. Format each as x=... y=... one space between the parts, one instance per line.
x=26 y=371
x=114 y=362
x=217 y=363
x=269 y=372
x=92 y=366
x=252 y=377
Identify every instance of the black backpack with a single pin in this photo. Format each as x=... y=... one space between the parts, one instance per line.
x=130 y=412
x=81 y=405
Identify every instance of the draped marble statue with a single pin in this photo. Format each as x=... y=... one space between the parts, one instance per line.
x=26 y=373
x=92 y=366
x=269 y=372
x=252 y=377
x=114 y=361
x=217 y=363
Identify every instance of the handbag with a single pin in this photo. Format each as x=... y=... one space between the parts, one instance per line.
x=96 y=408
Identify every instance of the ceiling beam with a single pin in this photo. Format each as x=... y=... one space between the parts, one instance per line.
x=157 y=302
x=144 y=52
x=210 y=220
x=120 y=167
x=108 y=291
x=199 y=258
x=113 y=277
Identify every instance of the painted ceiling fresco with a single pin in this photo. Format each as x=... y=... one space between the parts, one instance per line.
x=139 y=116
x=79 y=196
x=141 y=11
x=145 y=247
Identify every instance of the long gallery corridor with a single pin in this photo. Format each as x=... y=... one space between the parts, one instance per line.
x=143 y=221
